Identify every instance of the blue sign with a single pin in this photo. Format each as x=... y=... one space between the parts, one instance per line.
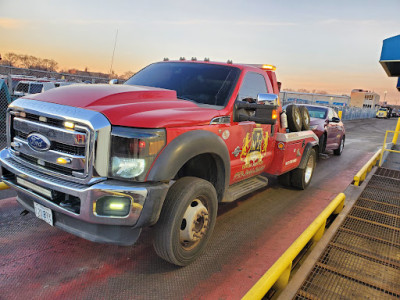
x=339 y=104
x=322 y=102
x=38 y=142
x=297 y=100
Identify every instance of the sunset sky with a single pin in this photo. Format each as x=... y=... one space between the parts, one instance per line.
x=323 y=45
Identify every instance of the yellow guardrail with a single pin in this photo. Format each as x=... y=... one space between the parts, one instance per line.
x=394 y=141
x=278 y=274
x=360 y=176
x=3 y=186
x=395 y=136
x=384 y=145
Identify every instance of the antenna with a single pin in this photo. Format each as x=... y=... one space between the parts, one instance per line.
x=112 y=58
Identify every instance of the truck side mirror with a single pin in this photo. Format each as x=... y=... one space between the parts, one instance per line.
x=113 y=81
x=335 y=120
x=259 y=113
x=267 y=99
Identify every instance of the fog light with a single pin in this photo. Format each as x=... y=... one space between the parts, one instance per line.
x=113 y=206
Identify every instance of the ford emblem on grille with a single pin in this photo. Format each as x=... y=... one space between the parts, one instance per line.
x=38 y=142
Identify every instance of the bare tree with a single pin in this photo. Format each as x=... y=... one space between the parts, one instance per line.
x=321 y=92
x=10 y=59
x=127 y=75
x=48 y=64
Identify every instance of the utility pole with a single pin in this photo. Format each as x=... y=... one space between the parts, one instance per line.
x=112 y=57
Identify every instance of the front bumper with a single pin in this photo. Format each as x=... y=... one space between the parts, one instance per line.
x=147 y=200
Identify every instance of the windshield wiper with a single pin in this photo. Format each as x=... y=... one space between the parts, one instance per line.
x=184 y=98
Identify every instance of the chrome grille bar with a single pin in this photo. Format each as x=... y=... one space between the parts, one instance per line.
x=85 y=148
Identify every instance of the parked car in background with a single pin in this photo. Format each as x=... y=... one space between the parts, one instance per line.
x=327 y=125
x=383 y=112
x=31 y=87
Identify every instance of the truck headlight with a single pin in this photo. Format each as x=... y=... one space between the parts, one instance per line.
x=133 y=151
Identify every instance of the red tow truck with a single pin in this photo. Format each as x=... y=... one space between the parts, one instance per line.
x=163 y=149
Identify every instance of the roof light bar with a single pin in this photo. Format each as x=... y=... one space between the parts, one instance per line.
x=268 y=67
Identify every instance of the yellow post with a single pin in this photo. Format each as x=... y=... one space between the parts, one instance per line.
x=3 y=186
x=383 y=149
x=320 y=232
x=340 y=114
x=283 y=280
x=396 y=134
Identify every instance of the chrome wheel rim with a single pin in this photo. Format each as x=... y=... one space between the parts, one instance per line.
x=309 y=169
x=298 y=118
x=306 y=119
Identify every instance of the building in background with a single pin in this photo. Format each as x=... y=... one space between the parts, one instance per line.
x=318 y=99
x=363 y=98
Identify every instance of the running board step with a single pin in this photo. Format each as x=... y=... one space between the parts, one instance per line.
x=245 y=187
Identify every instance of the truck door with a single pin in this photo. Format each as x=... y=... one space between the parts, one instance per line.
x=249 y=149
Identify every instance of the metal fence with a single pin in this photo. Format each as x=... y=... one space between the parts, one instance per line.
x=81 y=77
x=4 y=101
x=354 y=113
x=348 y=113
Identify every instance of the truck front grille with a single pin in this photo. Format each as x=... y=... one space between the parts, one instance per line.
x=38 y=138
x=71 y=145
x=73 y=150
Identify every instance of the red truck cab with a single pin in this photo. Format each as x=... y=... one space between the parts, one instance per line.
x=179 y=137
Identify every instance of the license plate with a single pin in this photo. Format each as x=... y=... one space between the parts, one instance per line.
x=44 y=213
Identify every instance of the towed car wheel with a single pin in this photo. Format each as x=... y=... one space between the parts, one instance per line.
x=322 y=143
x=187 y=220
x=339 y=150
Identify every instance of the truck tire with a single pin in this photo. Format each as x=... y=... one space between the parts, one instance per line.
x=301 y=178
x=305 y=117
x=294 y=118
x=322 y=143
x=186 y=221
x=285 y=179
x=339 y=150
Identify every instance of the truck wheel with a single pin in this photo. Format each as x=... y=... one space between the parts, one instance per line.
x=294 y=118
x=305 y=116
x=284 y=179
x=301 y=178
x=339 y=150
x=186 y=221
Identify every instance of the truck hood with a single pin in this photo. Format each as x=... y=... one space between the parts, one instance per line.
x=133 y=106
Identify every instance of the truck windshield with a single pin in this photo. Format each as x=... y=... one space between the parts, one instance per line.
x=317 y=112
x=198 y=82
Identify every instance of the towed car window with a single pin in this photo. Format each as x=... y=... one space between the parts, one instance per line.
x=201 y=83
x=317 y=112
